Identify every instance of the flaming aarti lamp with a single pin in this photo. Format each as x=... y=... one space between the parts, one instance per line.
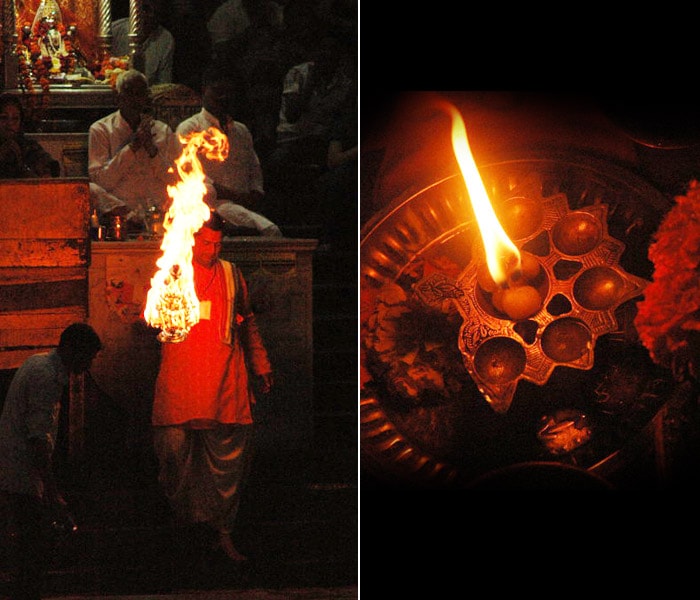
x=172 y=303
x=177 y=308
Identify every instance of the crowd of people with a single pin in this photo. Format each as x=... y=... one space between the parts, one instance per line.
x=291 y=70
x=278 y=77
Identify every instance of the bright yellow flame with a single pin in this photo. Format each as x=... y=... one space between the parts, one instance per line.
x=172 y=304
x=502 y=255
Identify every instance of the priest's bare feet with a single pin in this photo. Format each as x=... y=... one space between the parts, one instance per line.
x=229 y=548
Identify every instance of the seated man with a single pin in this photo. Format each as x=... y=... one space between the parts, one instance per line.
x=155 y=55
x=129 y=155
x=313 y=91
x=238 y=180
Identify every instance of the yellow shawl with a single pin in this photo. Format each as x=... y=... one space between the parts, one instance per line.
x=230 y=300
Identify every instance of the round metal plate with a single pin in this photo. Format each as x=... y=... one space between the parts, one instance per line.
x=446 y=434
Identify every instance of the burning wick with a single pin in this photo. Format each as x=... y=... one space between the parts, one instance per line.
x=510 y=272
x=172 y=304
x=517 y=297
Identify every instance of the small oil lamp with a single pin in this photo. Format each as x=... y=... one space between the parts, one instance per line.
x=540 y=297
x=508 y=279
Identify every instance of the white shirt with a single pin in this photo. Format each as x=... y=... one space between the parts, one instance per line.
x=131 y=178
x=158 y=51
x=241 y=170
x=30 y=411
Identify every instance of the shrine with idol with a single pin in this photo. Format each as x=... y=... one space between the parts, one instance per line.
x=58 y=57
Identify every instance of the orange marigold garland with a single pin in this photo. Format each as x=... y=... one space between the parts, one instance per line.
x=110 y=66
x=32 y=69
x=407 y=349
x=38 y=70
x=668 y=317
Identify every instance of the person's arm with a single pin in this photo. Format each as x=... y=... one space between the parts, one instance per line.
x=251 y=177
x=255 y=173
x=108 y=205
x=337 y=156
x=251 y=339
x=43 y=396
x=144 y=137
x=157 y=58
x=186 y=127
x=163 y=149
x=104 y=169
x=40 y=454
x=39 y=161
x=11 y=161
x=293 y=94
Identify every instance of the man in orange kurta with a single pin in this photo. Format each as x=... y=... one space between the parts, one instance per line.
x=203 y=398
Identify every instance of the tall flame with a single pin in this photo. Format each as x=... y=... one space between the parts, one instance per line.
x=502 y=255
x=172 y=304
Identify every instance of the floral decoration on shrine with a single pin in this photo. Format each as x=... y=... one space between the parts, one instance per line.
x=49 y=52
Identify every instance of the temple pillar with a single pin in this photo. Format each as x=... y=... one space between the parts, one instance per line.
x=104 y=32
x=135 y=31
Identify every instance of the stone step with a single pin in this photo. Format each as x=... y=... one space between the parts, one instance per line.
x=298 y=535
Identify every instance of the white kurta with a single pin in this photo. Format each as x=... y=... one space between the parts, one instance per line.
x=129 y=177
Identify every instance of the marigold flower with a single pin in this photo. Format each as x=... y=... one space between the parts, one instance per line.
x=668 y=316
